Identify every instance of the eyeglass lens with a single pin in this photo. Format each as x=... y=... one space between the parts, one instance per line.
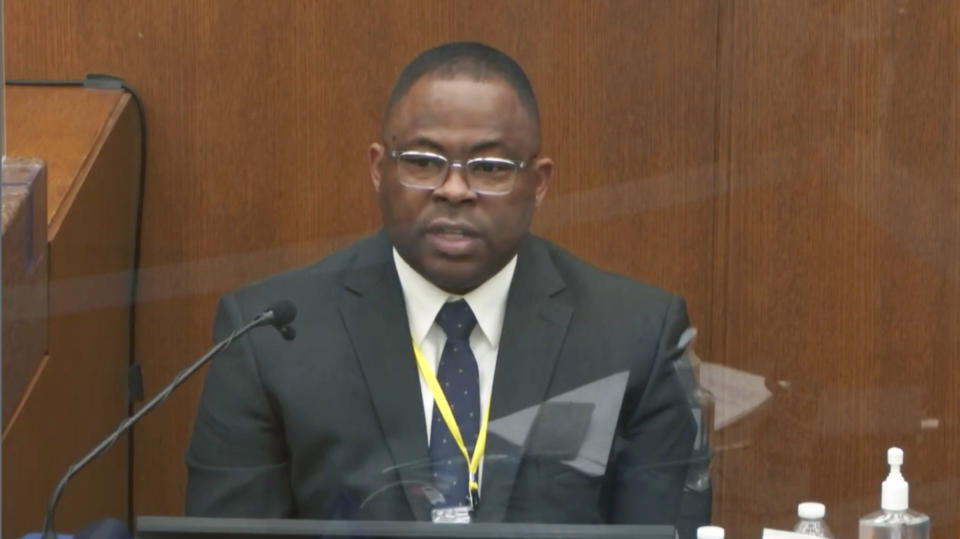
x=484 y=174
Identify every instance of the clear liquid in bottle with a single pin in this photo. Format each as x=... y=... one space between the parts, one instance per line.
x=895 y=525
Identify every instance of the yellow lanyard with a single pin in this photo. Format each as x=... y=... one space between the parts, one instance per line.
x=473 y=463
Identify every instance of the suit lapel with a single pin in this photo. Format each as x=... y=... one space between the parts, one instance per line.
x=533 y=331
x=376 y=319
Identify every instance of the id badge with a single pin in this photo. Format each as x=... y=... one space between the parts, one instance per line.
x=451 y=515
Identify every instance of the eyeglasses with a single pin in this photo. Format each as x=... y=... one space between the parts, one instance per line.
x=484 y=175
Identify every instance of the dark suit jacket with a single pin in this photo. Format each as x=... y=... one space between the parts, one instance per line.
x=331 y=424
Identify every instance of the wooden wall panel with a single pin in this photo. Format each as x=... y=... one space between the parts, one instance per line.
x=842 y=255
x=258 y=115
x=791 y=168
x=77 y=394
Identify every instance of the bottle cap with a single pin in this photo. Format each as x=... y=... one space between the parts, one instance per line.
x=895 y=491
x=709 y=532
x=811 y=510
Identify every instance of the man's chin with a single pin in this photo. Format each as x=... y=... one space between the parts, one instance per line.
x=454 y=276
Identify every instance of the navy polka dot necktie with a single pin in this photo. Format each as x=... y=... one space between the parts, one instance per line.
x=458 y=376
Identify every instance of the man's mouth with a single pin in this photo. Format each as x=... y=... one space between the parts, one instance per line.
x=452 y=239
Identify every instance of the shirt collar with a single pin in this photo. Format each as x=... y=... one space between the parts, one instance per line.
x=424 y=299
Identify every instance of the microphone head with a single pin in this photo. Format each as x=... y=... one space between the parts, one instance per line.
x=284 y=311
x=287 y=332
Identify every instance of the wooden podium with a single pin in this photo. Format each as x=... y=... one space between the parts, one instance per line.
x=64 y=380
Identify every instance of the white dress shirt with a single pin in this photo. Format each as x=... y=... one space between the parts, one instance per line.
x=423 y=301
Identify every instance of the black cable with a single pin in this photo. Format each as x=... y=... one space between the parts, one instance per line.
x=134 y=283
x=39 y=82
x=109 y=82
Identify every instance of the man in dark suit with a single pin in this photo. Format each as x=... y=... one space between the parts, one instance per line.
x=411 y=338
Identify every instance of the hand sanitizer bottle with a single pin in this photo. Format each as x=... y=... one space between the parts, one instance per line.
x=895 y=520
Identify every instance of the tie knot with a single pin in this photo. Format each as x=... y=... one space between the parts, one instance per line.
x=457 y=320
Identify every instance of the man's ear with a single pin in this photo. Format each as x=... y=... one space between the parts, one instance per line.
x=375 y=154
x=543 y=170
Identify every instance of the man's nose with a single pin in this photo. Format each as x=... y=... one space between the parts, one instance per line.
x=455 y=187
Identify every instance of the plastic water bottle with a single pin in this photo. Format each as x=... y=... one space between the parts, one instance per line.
x=709 y=532
x=811 y=521
x=895 y=520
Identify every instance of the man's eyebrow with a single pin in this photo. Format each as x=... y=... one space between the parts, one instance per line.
x=424 y=141
x=486 y=145
x=439 y=148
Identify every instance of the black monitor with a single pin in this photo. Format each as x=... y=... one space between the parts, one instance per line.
x=149 y=527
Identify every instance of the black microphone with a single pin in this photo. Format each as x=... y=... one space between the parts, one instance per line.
x=279 y=315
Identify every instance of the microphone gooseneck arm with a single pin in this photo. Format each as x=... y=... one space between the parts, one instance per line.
x=266 y=317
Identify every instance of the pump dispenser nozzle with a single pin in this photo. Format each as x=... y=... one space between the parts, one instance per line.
x=895 y=492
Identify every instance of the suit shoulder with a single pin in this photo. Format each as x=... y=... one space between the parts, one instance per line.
x=617 y=306
x=318 y=277
x=589 y=281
